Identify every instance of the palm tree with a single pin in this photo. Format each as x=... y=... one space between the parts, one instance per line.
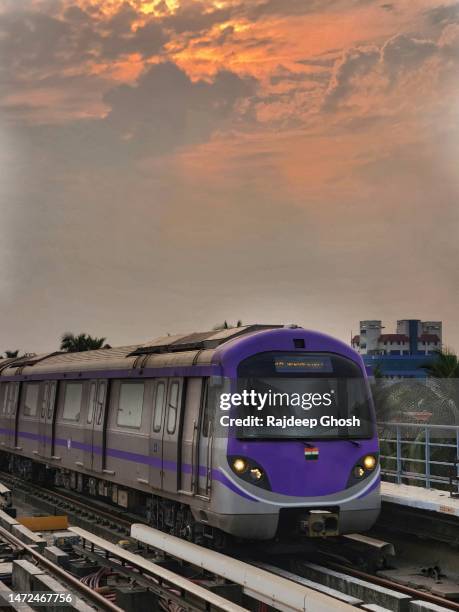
x=72 y=343
x=436 y=398
x=226 y=325
x=378 y=371
x=443 y=373
x=11 y=354
x=445 y=365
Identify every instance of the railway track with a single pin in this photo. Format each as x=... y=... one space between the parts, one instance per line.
x=355 y=583
x=69 y=581
x=385 y=583
x=110 y=522
x=93 y=515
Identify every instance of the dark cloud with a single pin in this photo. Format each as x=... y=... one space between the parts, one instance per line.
x=147 y=40
x=287 y=8
x=77 y=15
x=31 y=38
x=443 y=14
x=225 y=36
x=195 y=18
x=283 y=74
x=327 y=62
x=122 y=20
x=400 y=54
x=166 y=109
x=354 y=64
x=162 y=111
x=362 y=123
x=403 y=52
x=449 y=42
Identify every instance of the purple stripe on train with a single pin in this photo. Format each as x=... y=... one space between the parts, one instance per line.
x=146 y=460
x=134 y=457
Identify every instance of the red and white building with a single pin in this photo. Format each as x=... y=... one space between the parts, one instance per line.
x=413 y=337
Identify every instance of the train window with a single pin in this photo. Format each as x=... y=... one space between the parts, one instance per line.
x=3 y=388
x=159 y=403
x=72 y=401
x=11 y=394
x=206 y=408
x=52 y=395
x=173 y=405
x=130 y=405
x=101 y=401
x=6 y=398
x=31 y=399
x=14 y=407
x=91 y=402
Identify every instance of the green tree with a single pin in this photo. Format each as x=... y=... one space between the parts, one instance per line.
x=432 y=400
x=378 y=371
x=72 y=343
x=443 y=375
x=445 y=365
x=11 y=354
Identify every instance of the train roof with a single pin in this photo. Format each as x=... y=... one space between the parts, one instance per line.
x=165 y=351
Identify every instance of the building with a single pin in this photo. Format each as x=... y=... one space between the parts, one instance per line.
x=399 y=354
x=412 y=337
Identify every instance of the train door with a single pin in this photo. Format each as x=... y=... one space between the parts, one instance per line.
x=204 y=451
x=91 y=409
x=47 y=419
x=17 y=404
x=190 y=436
x=94 y=430
x=98 y=429
x=171 y=430
x=42 y=419
x=3 y=417
x=156 y=437
x=11 y=406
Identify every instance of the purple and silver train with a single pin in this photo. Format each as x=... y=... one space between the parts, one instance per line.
x=145 y=426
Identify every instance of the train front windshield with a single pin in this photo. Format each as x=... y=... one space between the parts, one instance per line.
x=301 y=396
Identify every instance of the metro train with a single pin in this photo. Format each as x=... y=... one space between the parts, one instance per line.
x=145 y=427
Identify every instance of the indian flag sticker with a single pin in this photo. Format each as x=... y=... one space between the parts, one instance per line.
x=311 y=453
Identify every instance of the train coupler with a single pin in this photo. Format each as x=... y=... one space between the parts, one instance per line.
x=320 y=523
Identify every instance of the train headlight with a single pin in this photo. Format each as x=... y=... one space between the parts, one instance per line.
x=359 y=471
x=369 y=462
x=239 y=465
x=250 y=471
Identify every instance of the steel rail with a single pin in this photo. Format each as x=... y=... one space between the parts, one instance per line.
x=93 y=596
x=116 y=517
x=396 y=586
x=384 y=582
x=263 y=586
x=159 y=572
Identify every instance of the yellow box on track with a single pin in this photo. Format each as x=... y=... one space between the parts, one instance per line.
x=44 y=523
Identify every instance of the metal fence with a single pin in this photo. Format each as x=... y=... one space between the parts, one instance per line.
x=420 y=454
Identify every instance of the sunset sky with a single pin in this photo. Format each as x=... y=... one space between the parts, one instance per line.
x=168 y=164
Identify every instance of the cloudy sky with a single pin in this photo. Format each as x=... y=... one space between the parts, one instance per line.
x=168 y=164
